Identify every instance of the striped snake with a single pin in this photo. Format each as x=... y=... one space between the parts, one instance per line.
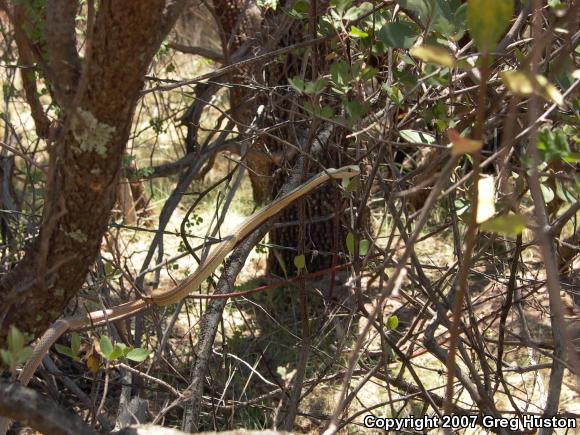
x=161 y=297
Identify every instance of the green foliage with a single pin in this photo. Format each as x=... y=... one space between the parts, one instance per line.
x=558 y=5
x=120 y=351
x=354 y=110
x=300 y=262
x=554 y=145
x=138 y=354
x=509 y=224
x=356 y=12
x=300 y=10
x=392 y=322
x=106 y=346
x=17 y=352
x=350 y=184
x=309 y=88
x=133 y=172
x=194 y=220
x=363 y=246
x=355 y=32
x=158 y=125
x=399 y=35
x=350 y=243
x=447 y=17
x=487 y=20
x=74 y=350
x=35 y=25
x=433 y=54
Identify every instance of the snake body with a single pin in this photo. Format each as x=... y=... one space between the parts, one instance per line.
x=162 y=297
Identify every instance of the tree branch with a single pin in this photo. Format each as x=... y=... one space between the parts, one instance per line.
x=26 y=405
x=61 y=46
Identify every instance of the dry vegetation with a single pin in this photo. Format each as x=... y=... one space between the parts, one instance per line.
x=408 y=302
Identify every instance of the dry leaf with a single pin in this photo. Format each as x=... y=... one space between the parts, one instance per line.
x=461 y=145
x=522 y=83
x=485 y=199
x=432 y=54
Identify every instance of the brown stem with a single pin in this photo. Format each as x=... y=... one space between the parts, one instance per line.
x=470 y=239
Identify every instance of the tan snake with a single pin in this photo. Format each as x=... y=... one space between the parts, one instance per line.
x=169 y=296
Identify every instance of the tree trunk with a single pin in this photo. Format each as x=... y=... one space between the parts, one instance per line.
x=85 y=160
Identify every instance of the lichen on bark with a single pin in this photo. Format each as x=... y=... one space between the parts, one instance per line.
x=91 y=134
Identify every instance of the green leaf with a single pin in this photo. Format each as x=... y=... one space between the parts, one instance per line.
x=434 y=54
x=350 y=243
x=444 y=16
x=356 y=12
x=364 y=247
x=341 y=5
x=392 y=322
x=487 y=20
x=300 y=262
x=16 y=339
x=451 y=18
x=350 y=184
x=423 y=9
x=564 y=194
x=572 y=158
x=368 y=73
x=24 y=355
x=355 y=32
x=65 y=350
x=340 y=73
x=106 y=346
x=119 y=350
x=75 y=343
x=138 y=354
x=398 y=35
x=508 y=224
x=553 y=143
x=461 y=206
x=6 y=357
x=297 y=83
x=314 y=87
x=326 y=112
x=414 y=136
x=395 y=94
x=547 y=193
x=355 y=110
x=558 y=5
x=301 y=9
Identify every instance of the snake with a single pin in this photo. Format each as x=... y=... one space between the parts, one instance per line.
x=163 y=297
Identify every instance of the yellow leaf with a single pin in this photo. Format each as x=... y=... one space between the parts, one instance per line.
x=510 y=224
x=548 y=91
x=432 y=54
x=487 y=20
x=461 y=145
x=523 y=83
x=330 y=56
x=300 y=262
x=517 y=82
x=93 y=363
x=485 y=199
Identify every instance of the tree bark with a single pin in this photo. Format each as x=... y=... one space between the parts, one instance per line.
x=85 y=161
x=38 y=412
